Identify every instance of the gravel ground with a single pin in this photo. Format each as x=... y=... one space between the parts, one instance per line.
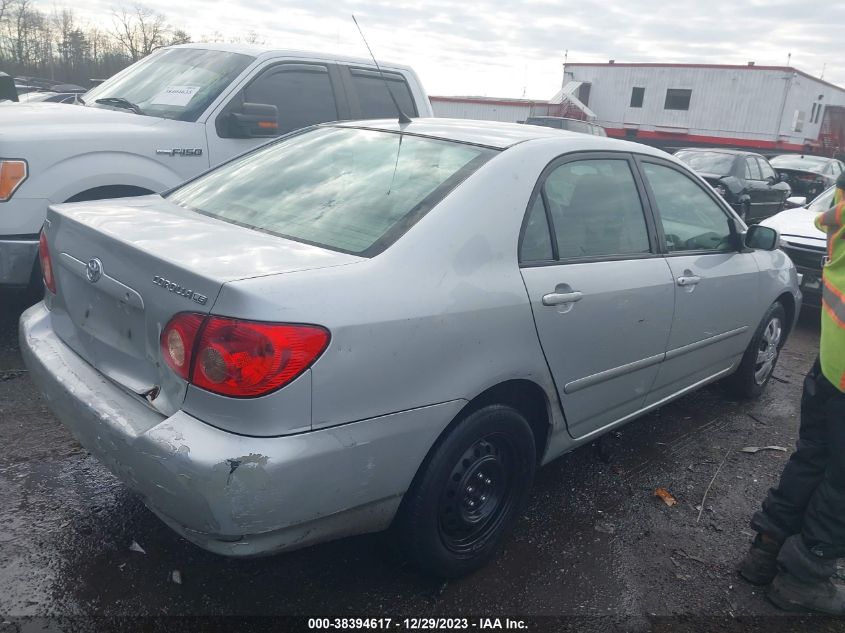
x=595 y=545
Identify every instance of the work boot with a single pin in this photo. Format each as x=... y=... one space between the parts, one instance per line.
x=805 y=581
x=760 y=565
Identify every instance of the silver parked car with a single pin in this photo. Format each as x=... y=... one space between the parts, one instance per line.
x=367 y=325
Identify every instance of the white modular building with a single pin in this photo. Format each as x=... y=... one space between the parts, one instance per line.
x=774 y=108
x=488 y=109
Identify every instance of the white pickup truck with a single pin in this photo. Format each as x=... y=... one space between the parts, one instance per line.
x=168 y=118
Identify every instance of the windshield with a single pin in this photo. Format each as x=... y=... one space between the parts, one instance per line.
x=350 y=190
x=708 y=162
x=176 y=83
x=821 y=202
x=796 y=161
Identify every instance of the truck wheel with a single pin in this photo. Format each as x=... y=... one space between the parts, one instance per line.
x=760 y=358
x=468 y=492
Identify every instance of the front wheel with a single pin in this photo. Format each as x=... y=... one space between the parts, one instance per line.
x=761 y=356
x=468 y=493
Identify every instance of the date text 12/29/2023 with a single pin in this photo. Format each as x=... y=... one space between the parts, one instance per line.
x=417 y=624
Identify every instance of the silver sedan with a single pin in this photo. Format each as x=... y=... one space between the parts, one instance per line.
x=373 y=325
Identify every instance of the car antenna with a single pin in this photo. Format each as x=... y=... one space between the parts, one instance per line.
x=403 y=118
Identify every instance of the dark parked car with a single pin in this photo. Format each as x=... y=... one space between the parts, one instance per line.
x=807 y=175
x=745 y=180
x=562 y=123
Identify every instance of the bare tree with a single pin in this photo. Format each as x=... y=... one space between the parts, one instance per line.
x=180 y=36
x=140 y=31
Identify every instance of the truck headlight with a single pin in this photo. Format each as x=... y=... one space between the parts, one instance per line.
x=12 y=174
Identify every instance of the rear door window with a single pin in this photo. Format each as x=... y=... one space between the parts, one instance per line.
x=369 y=97
x=766 y=170
x=595 y=210
x=752 y=169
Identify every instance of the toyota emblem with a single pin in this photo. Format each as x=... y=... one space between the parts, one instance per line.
x=94 y=270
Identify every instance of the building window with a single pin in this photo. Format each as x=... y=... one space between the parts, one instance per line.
x=637 y=95
x=677 y=99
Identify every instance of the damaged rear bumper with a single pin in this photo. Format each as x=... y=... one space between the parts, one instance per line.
x=232 y=494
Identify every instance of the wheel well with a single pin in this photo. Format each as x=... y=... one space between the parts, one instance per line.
x=523 y=395
x=109 y=191
x=788 y=303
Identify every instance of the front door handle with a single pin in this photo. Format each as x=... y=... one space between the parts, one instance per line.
x=688 y=280
x=561 y=298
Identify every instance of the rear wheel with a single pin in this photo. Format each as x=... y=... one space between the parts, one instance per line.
x=468 y=493
x=760 y=358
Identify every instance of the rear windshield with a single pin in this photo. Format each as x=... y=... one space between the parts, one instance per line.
x=350 y=190
x=708 y=162
x=796 y=161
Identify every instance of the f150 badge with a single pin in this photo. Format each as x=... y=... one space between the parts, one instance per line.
x=175 y=288
x=181 y=151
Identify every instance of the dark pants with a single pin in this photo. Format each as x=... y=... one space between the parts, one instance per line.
x=810 y=499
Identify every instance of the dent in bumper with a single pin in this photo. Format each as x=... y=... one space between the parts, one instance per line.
x=229 y=493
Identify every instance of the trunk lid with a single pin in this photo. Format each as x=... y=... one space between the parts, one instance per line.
x=124 y=267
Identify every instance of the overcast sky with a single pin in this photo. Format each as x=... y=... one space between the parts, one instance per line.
x=511 y=49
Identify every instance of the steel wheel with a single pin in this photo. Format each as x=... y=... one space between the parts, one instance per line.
x=477 y=495
x=468 y=492
x=767 y=352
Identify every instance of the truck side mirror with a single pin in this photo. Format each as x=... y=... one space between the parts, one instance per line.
x=762 y=238
x=254 y=120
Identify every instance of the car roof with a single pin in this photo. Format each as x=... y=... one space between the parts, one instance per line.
x=557 y=118
x=719 y=150
x=499 y=135
x=269 y=52
x=804 y=156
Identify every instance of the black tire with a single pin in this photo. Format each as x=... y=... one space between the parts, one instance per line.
x=468 y=493
x=761 y=357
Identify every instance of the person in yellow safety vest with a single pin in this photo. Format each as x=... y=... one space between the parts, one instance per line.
x=801 y=527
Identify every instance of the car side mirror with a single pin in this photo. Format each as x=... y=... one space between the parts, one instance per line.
x=772 y=180
x=796 y=201
x=762 y=238
x=254 y=120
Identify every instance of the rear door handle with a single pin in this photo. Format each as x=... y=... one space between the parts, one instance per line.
x=560 y=298
x=688 y=280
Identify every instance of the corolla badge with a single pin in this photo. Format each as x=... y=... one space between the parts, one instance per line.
x=94 y=270
x=179 y=289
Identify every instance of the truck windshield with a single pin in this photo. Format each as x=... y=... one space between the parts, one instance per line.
x=351 y=190
x=177 y=83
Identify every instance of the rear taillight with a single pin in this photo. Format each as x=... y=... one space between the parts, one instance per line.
x=241 y=359
x=178 y=340
x=46 y=264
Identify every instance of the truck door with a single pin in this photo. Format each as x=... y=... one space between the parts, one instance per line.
x=305 y=93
